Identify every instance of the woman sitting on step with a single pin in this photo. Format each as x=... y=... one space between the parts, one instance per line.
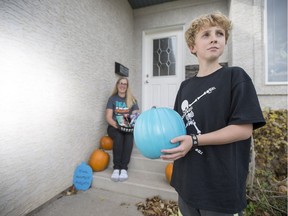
x=121 y=111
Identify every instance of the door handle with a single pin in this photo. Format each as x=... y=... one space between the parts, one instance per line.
x=146 y=82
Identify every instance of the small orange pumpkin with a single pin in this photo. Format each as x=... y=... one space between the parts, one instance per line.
x=99 y=160
x=106 y=142
x=168 y=171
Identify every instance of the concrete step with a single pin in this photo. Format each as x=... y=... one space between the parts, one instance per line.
x=139 y=162
x=146 y=178
x=142 y=184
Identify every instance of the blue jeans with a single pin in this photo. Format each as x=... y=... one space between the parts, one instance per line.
x=122 y=147
x=187 y=210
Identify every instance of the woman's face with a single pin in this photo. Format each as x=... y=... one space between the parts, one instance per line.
x=122 y=86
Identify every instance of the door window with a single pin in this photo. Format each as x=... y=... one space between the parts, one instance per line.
x=164 y=56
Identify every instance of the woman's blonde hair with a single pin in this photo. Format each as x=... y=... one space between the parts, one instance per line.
x=214 y=19
x=130 y=99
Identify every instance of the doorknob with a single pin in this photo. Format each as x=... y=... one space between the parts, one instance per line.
x=146 y=81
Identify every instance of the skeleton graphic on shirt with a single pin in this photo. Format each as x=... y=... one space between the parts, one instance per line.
x=189 y=116
x=188 y=113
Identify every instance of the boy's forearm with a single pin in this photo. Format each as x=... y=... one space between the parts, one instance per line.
x=226 y=135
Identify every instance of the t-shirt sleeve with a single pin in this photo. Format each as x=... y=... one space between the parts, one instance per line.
x=109 y=103
x=177 y=99
x=245 y=107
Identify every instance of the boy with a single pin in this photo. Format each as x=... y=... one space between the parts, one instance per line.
x=220 y=109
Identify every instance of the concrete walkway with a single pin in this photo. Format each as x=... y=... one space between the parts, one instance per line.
x=93 y=202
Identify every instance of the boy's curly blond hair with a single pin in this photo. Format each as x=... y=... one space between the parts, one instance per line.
x=214 y=19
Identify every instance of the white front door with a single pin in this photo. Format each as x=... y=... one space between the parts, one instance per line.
x=163 y=68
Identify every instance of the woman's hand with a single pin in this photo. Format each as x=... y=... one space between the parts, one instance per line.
x=179 y=151
x=114 y=124
x=136 y=111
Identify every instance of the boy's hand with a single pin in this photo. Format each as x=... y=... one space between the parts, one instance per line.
x=180 y=151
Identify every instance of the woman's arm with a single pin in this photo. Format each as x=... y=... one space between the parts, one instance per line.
x=226 y=135
x=109 y=118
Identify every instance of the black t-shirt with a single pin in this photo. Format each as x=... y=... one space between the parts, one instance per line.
x=214 y=177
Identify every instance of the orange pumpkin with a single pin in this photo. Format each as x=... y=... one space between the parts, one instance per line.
x=99 y=160
x=106 y=142
x=168 y=171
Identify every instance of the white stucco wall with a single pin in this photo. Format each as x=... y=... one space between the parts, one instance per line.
x=56 y=72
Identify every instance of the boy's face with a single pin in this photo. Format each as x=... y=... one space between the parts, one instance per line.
x=209 y=43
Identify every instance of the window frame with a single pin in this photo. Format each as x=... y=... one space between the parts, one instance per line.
x=267 y=82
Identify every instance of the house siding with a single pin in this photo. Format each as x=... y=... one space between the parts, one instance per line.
x=56 y=73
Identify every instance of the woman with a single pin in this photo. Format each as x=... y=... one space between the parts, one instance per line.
x=120 y=106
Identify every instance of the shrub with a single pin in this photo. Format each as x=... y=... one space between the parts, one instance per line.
x=268 y=193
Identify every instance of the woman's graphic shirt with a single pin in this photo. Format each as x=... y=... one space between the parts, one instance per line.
x=121 y=113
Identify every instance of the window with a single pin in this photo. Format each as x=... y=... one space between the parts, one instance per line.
x=192 y=70
x=276 y=42
x=164 y=56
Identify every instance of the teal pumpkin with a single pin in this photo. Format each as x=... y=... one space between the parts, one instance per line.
x=155 y=128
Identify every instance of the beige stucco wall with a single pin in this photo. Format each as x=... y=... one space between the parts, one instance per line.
x=56 y=72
